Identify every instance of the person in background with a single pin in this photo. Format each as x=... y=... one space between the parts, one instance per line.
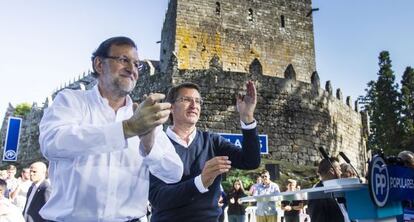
x=101 y=146
x=11 y=180
x=407 y=158
x=8 y=211
x=38 y=194
x=347 y=171
x=266 y=210
x=292 y=208
x=327 y=210
x=236 y=210
x=19 y=195
x=253 y=187
x=3 y=175
x=223 y=202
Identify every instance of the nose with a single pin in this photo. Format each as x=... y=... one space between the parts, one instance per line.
x=193 y=103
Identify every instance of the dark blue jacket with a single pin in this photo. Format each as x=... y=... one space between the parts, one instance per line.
x=182 y=201
x=324 y=210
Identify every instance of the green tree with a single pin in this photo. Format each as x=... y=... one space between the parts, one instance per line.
x=22 y=109
x=236 y=174
x=407 y=109
x=384 y=109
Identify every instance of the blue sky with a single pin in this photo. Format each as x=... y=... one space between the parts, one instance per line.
x=46 y=43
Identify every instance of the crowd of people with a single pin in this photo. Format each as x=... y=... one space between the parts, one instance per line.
x=22 y=198
x=109 y=157
x=19 y=203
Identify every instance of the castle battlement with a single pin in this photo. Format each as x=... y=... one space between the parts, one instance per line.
x=222 y=44
x=277 y=33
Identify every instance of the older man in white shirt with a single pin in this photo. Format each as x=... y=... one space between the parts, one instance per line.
x=101 y=146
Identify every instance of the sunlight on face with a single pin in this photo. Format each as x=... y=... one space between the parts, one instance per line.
x=187 y=107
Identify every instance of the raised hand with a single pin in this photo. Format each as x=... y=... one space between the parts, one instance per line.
x=213 y=168
x=147 y=115
x=246 y=104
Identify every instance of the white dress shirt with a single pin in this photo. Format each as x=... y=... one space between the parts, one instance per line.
x=20 y=199
x=9 y=212
x=96 y=174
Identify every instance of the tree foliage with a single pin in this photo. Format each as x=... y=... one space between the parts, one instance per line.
x=236 y=174
x=384 y=108
x=22 y=109
x=407 y=107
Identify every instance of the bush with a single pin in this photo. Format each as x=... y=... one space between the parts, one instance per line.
x=236 y=174
x=22 y=109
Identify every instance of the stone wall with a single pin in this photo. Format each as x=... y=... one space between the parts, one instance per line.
x=214 y=44
x=298 y=117
x=240 y=32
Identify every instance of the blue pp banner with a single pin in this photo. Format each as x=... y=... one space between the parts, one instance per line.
x=390 y=183
x=237 y=140
x=11 y=146
x=401 y=183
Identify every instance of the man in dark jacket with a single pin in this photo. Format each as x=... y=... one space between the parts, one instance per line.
x=326 y=210
x=38 y=193
x=205 y=157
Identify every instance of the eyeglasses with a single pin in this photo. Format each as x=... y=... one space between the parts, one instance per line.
x=188 y=99
x=125 y=61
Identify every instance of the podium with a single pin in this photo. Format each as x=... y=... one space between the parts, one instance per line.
x=359 y=204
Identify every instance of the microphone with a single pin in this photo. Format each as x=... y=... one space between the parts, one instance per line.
x=342 y=154
x=324 y=153
x=326 y=156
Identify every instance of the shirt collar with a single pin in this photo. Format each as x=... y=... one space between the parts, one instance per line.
x=172 y=135
x=103 y=100
x=36 y=185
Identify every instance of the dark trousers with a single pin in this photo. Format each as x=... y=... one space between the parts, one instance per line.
x=293 y=218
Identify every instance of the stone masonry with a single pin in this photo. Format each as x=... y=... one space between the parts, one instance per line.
x=227 y=44
x=279 y=33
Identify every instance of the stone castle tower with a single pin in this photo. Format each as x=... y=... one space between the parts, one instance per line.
x=277 y=33
x=221 y=44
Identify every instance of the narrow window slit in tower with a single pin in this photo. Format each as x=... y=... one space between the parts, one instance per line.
x=250 y=16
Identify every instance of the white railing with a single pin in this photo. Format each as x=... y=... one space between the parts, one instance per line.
x=251 y=215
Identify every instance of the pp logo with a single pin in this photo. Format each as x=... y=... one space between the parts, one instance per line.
x=10 y=154
x=379 y=181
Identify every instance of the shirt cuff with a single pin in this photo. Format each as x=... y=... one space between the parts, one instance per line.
x=199 y=184
x=157 y=151
x=248 y=127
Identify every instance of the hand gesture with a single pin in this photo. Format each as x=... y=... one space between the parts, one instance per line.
x=147 y=115
x=232 y=200
x=247 y=104
x=213 y=168
x=220 y=202
x=239 y=201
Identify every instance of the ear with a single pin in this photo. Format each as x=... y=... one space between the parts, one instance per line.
x=98 y=65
